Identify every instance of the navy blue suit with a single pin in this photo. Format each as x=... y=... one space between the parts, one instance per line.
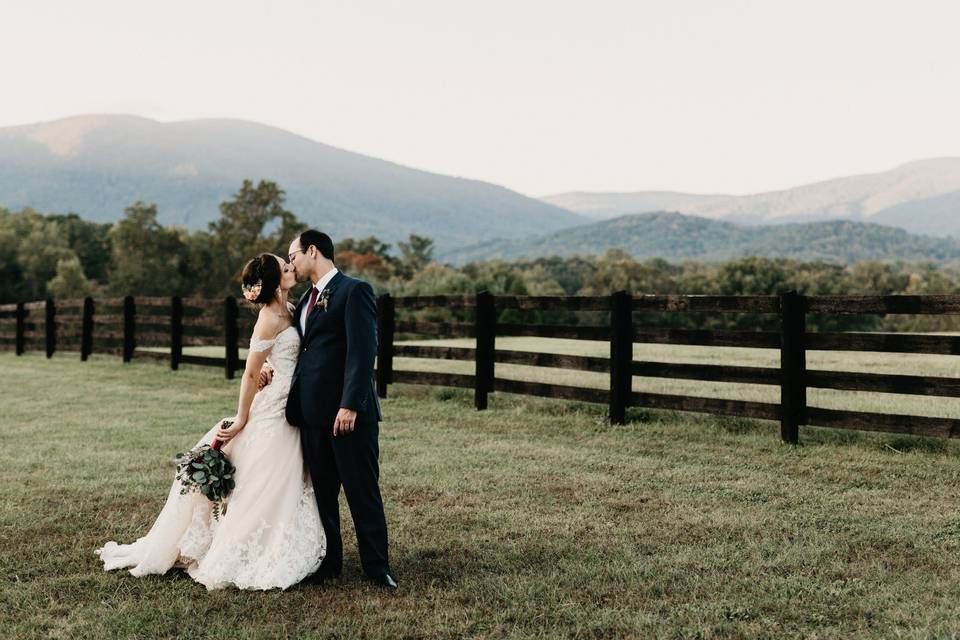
x=334 y=370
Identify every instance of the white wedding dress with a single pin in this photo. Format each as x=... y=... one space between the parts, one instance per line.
x=271 y=535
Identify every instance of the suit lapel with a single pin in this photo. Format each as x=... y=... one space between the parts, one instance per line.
x=331 y=287
x=299 y=309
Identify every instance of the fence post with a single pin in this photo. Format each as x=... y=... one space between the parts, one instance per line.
x=230 y=335
x=176 y=332
x=51 y=325
x=21 y=328
x=621 y=355
x=486 y=330
x=86 y=330
x=129 y=328
x=793 y=366
x=385 y=327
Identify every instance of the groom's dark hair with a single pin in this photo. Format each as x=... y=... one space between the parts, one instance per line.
x=320 y=240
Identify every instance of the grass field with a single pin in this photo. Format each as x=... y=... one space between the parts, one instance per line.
x=532 y=519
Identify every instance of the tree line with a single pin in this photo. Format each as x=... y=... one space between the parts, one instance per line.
x=65 y=256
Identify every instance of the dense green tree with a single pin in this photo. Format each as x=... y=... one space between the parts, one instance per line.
x=40 y=246
x=538 y=281
x=32 y=245
x=367 y=258
x=415 y=254
x=147 y=259
x=877 y=278
x=90 y=241
x=499 y=278
x=12 y=282
x=363 y=246
x=752 y=276
x=70 y=281
x=617 y=271
x=253 y=222
x=572 y=274
x=926 y=279
x=201 y=253
x=434 y=278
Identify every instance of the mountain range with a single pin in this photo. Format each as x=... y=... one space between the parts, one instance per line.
x=604 y=205
x=97 y=165
x=676 y=237
x=920 y=197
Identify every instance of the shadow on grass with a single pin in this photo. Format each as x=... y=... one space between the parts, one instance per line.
x=638 y=417
x=809 y=435
x=743 y=426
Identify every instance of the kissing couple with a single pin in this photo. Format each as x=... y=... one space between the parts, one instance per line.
x=307 y=423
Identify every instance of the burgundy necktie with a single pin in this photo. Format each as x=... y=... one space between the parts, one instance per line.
x=313 y=300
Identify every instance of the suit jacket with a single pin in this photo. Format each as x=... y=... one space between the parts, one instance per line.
x=337 y=354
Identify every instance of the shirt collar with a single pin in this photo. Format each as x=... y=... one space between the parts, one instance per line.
x=325 y=280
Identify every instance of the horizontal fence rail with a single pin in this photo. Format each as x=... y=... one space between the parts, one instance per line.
x=159 y=328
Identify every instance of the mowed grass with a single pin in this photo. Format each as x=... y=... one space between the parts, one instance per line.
x=532 y=519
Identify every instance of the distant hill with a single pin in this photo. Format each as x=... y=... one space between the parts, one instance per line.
x=604 y=205
x=676 y=237
x=97 y=165
x=921 y=197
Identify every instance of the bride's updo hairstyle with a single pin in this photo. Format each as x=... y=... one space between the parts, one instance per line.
x=261 y=278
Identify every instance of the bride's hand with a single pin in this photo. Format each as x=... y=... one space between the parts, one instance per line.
x=225 y=435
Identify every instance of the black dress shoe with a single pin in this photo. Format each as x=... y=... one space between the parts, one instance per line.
x=384 y=580
x=321 y=577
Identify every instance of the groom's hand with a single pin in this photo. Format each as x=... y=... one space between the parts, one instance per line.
x=345 y=422
x=265 y=377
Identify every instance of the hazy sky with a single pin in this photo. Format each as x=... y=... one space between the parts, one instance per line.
x=540 y=96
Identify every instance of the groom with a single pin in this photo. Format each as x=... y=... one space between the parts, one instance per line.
x=334 y=402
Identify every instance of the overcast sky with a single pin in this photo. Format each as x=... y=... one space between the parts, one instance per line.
x=540 y=96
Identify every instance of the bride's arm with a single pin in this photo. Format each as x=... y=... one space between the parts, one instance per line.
x=266 y=371
x=266 y=329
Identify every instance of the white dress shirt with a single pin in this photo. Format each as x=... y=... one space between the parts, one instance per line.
x=321 y=284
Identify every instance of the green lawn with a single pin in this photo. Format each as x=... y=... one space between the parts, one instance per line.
x=532 y=519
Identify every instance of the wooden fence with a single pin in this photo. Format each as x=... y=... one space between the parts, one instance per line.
x=128 y=327
x=147 y=327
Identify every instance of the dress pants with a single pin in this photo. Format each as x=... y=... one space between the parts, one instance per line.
x=352 y=461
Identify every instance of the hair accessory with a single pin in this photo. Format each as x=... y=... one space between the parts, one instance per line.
x=252 y=291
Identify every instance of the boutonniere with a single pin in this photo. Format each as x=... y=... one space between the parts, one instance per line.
x=324 y=299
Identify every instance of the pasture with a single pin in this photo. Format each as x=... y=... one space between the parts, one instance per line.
x=534 y=518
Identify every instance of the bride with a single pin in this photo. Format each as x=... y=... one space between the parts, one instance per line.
x=271 y=535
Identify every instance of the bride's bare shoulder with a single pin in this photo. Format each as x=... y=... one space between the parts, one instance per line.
x=268 y=323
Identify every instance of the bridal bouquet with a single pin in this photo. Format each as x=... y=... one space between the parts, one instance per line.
x=206 y=470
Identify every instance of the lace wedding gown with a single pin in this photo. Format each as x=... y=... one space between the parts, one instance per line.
x=271 y=535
